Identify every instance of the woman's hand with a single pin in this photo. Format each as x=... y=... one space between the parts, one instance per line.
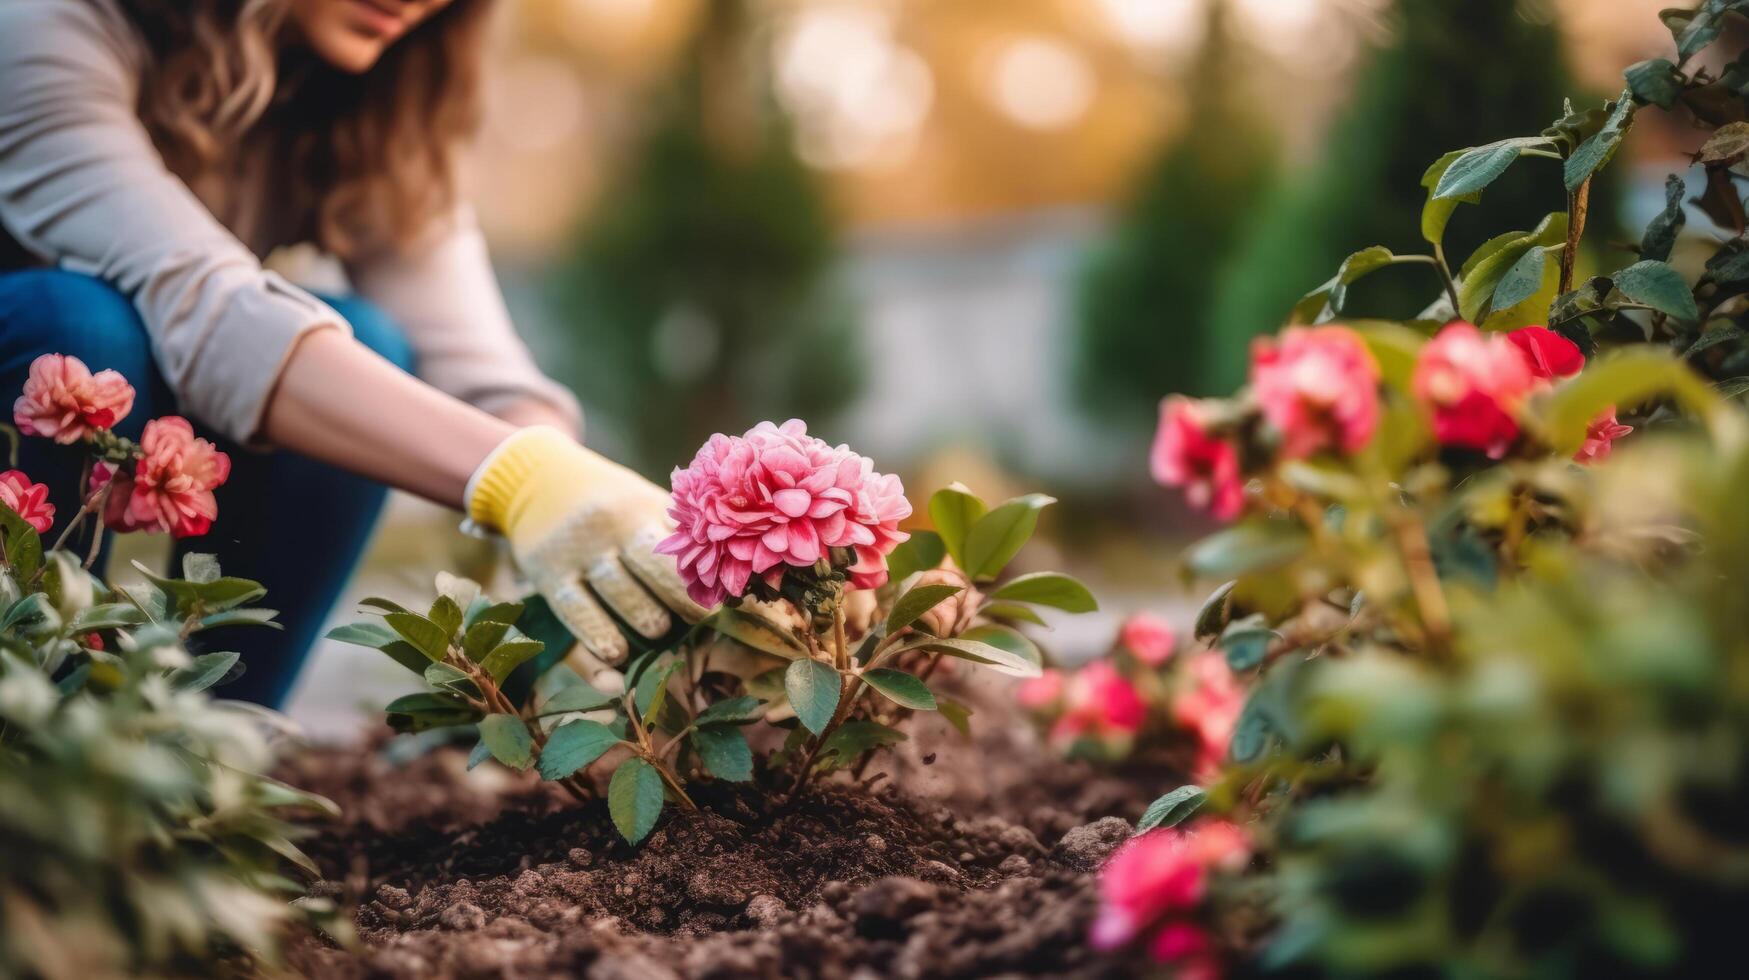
x=583 y=529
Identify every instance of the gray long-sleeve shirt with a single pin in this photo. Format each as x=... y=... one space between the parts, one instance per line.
x=83 y=187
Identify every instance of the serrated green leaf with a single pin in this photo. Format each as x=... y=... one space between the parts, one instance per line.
x=1659 y=286
x=515 y=651
x=425 y=636
x=1595 y=153
x=652 y=688
x=508 y=739
x=574 y=745
x=1172 y=809
x=903 y=689
x=634 y=799
x=485 y=611
x=1048 y=589
x=1475 y=168
x=482 y=638
x=813 y=689
x=446 y=614
x=1654 y=82
x=953 y=510
x=724 y=752
x=733 y=711
x=576 y=697
x=913 y=604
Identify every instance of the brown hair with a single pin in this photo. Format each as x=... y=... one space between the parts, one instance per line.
x=368 y=160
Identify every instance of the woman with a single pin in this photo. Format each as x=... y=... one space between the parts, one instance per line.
x=153 y=151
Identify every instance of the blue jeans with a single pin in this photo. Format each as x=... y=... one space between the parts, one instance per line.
x=295 y=525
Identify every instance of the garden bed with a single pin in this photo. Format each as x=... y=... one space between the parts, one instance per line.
x=984 y=864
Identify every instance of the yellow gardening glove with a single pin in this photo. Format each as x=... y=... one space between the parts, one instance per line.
x=583 y=529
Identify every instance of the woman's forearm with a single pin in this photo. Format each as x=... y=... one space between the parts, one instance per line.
x=338 y=402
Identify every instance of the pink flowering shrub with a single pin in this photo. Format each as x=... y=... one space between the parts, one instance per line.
x=172 y=483
x=1318 y=386
x=1151 y=892
x=64 y=401
x=1472 y=384
x=776 y=499
x=1188 y=454
x=28 y=500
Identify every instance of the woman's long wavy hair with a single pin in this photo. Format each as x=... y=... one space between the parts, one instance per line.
x=369 y=160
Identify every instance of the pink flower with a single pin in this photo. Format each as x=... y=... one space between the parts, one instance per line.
x=1319 y=387
x=779 y=498
x=1209 y=709
x=1603 y=431
x=64 y=401
x=1548 y=354
x=1188 y=948
x=1148 y=637
x=172 y=483
x=1473 y=384
x=1101 y=704
x=1185 y=455
x=1161 y=875
x=28 y=500
x=1043 y=691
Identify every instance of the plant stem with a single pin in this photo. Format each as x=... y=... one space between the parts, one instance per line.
x=1578 y=205
x=1423 y=576
x=1444 y=268
x=102 y=496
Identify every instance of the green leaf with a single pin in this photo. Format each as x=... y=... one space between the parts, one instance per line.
x=953 y=510
x=903 y=689
x=425 y=636
x=492 y=612
x=916 y=602
x=509 y=655
x=1212 y=616
x=1246 y=642
x=482 y=637
x=382 y=605
x=425 y=710
x=363 y=635
x=477 y=755
x=1252 y=546
x=576 y=697
x=1485 y=267
x=994 y=657
x=999 y=535
x=241 y=617
x=755 y=631
x=1436 y=213
x=652 y=688
x=206 y=670
x=24 y=547
x=922 y=551
x=1660 y=238
x=813 y=690
x=1013 y=612
x=1006 y=638
x=1048 y=589
x=1172 y=809
x=1252 y=733
x=451 y=679
x=733 y=711
x=446 y=614
x=106 y=616
x=1521 y=281
x=1329 y=298
x=1624 y=378
x=1655 y=82
x=1659 y=286
x=634 y=799
x=507 y=738
x=1595 y=153
x=852 y=739
x=957 y=715
x=1475 y=168
x=200 y=568
x=1697 y=28
x=1394 y=346
x=724 y=752
x=572 y=746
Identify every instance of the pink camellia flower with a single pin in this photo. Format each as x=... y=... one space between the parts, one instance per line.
x=1319 y=387
x=171 y=485
x=28 y=500
x=1548 y=354
x=1209 y=709
x=1473 y=384
x=64 y=401
x=1185 y=455
x=1600 y=436
x=1188 y=948
x=1148 y=637
x=1160 y=876
x=1101 y=704
x=1041 y=692
x=779 y=498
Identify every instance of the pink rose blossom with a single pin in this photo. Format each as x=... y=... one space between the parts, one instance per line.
x=1548 y=354
x=779 y=498
x=28 y=500
x=1210 y=709
x=1148 y=637
x=65 y=402
x=1473 y=384
x=1185 y=455
x=172 y=483
x=1160 y=876
x=1043 y=691
x=1101 y=704
x=1600 y=436
x=1319 y=387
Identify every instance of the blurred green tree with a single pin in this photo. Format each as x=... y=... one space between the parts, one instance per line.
x=699 y=292
x=1144 y=297
x=1455 y=74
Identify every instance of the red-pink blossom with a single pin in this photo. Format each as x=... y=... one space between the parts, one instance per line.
x=1209 y=709
x=1473 y=384
x=1101 y=704
x=1041 y=692
x=779 y=498
x=1319 y=387
x=1548 y=354
x=64 y=401
x=1186 y=455
x=1160 y=877
x=1149 y=637
x=170 y=487
x=1600 y=437
x=28 y=500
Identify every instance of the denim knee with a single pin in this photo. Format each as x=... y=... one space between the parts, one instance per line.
x=375 y=329
x=55 y=311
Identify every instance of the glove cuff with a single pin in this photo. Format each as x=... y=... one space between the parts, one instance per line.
x=492 y=493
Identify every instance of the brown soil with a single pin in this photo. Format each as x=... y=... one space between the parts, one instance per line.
x=981 y=865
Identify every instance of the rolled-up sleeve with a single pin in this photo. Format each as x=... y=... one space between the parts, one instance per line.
x=82 y=186
x=443 y=293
